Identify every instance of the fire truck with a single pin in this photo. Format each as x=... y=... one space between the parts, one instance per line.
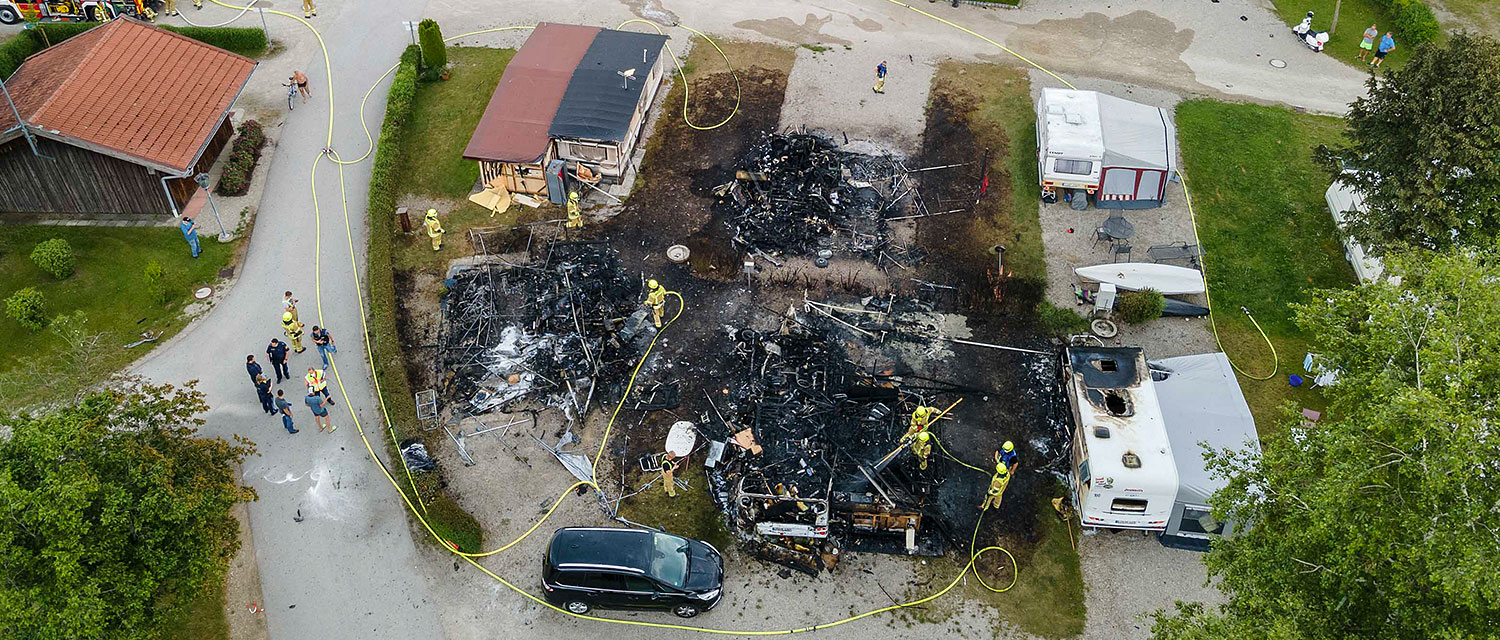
x=12 y=11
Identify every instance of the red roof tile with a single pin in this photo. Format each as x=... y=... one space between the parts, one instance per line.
x=514 y=125
x=159 y=108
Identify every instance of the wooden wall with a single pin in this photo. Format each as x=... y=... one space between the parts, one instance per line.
x=76 y=180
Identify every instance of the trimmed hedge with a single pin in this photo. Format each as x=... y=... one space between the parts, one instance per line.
x=244 y=41
x=55 y=256
x=244 y=152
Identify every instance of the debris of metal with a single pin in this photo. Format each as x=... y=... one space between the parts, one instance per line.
x=798 y=194
x=417 y=458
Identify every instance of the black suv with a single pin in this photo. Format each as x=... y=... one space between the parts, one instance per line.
x=631 y=569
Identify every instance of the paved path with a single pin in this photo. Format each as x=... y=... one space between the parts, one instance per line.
x=349 y=569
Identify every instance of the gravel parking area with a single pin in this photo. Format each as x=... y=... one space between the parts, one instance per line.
x=1128 y=575
x=833 y=91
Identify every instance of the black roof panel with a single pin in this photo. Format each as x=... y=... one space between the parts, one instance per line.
x=599 y=103
x=618 y=547
x=1108 y=367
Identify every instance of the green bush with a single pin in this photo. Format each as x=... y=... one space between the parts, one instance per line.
x=1416 y=24
x=244 y=152
x=242 y=40
x=1136 y=307
x=156 y=282
x=434 y=51
x=28 y=307
x=55 y=256
x=1057 y=321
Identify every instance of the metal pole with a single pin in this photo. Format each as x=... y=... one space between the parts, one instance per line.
x=202 y=180
x=25 y=131
x=263 y=28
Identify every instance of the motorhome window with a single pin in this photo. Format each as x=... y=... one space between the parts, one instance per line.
x=1128 y=505
x=1107 y=366
x=1101 y=433
x=1074 y=167
x=1083 y=473
x=1195 y=520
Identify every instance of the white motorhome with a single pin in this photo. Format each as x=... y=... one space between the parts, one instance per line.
x=1124 y=476
x=1343 y=199
x=1119 y=153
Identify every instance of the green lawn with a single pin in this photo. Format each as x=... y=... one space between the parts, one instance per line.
x=446 y=113
x=692 y=513
x=205 y=619
x=1354 y=17
x=108 y=286
x=1266 y=233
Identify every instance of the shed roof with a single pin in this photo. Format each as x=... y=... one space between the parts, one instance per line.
x=1201 y=402
x=600 y=103
x=514 y=125
x=161 y=114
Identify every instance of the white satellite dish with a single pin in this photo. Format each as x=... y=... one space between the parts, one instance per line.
x=681 y=438
x=628 y=75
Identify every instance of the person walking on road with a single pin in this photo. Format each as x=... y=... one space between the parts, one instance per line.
x=293 y=331
x=324 y=342
x=1387 y=45
x=169 y=8
x=252 y=367
x=434 y=229
x=263 y=389
x=1367 y=44
x=289 y=305
x=285 y=409
x=320 y=413
x=880 y=71
x=308 y=9
x=190 y=233
x=300 y=79
x=276 y=351
x=316 y=383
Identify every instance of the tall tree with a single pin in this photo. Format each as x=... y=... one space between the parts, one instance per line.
x=113 y=514
x=1380 y=522
x=1426 y=146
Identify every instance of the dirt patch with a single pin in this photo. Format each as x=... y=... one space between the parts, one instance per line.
x=1077 y=44
x=783 y=28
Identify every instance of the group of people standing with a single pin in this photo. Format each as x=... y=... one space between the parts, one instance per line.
x=277 y=352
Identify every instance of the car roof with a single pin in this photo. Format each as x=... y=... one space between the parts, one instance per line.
x=627 y=548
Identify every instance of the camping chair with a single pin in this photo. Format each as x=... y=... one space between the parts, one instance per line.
x=1118 y=250
x=1100 y=235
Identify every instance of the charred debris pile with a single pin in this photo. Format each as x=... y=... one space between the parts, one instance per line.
x=798 y=194
x=544 y=332
x=818 y=464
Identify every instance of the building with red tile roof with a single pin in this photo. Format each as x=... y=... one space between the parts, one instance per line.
x=123 y=115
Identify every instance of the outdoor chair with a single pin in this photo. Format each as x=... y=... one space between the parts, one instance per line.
x=1119 y=250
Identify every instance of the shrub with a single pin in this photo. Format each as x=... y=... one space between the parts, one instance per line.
x=55 y=256
x=28 y=307
x=1140 y=306
x=244 y=152
x=1416 y=24
x=156 y=282
x=244 y=41
x=434 y=51
x=1057 y=321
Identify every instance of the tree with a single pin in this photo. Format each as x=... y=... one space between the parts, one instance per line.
x=434 y=52
x=1426 y=146
x=115 y=514
x=1381 y=522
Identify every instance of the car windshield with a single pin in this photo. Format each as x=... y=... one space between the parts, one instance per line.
x=669 y=559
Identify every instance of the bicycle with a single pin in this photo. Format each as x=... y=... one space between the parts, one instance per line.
x=291 y=95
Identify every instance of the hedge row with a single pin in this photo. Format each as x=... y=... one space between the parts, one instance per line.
x=234 y=180
x=244 y=41
x=1415 y=22
x=384 y=182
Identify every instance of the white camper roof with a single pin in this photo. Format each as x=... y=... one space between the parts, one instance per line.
x=1121 y=372
x=1092 y=125
x=1201 y=403
x=1341 y=200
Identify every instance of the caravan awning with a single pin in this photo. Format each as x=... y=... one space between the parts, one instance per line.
x=1136 y=135
x=1201 y=404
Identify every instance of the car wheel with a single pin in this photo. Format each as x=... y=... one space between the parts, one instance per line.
x=685 y=610
x=8 y=15
x=577 y=607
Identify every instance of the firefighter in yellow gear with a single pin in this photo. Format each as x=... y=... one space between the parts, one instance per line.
x=668 y=467
x=656 y=298
x=316 y=383
x=293 y=331
x=921 y=418
x=998 y=483
x=575 y=215
x=921 y=448
x=308 y=10
x=434 y=229
x=169 y=8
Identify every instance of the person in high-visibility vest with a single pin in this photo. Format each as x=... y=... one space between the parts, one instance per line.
x=316 y=383
x=293 y=331
x=998 y=483
x=921 y=448
x=656 y=298
x=920 y=419
x=1007 y=456
x=434 y=229
x=668 y=467
x=575 y=215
